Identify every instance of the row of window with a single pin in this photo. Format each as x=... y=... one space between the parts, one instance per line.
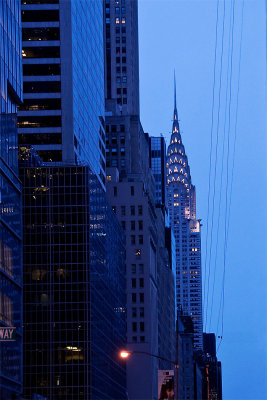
x=141 y=297
x=114 y=151
x=135 y=281
x=136 y=314
x=120 y=50
x=115 y=128
x=142 y=339
x=34 y=34
x=141 y=326
x=122 y=79
x=114 y=140
x=122 y=101
x=134 y=239
x=119 y=20
x=120 y=69
x=140 y=268
x=132 y=224
x=114 y=163
x=121 y=39
x=121 y=59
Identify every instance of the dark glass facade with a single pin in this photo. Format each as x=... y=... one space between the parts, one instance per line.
x=74 y=288
x=10 y=200
x=10 y=260
x=63 y=82
x=10 y=56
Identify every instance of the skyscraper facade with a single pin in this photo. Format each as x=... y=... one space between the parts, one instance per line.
x=63 y=115
x=10 y=200
x=157 y=147
x=182 y=212
x=131 y=192
x=122 y=56
x=74 y=287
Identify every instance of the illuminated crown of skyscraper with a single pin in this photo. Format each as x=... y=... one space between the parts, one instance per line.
x=177 y=164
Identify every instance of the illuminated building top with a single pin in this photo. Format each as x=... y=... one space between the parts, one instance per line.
x=177 y=164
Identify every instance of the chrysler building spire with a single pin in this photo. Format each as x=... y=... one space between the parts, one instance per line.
x=186 y=228
x=175 y=114
x=177 y=164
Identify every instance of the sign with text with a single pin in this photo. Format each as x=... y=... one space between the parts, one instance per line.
x=165 y=384
x=7 y=334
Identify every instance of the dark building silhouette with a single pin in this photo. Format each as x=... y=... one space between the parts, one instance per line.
x=213 y=370
x=74 y=287
x=10 y=201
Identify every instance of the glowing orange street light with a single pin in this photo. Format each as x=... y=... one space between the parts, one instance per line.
x=124 y=354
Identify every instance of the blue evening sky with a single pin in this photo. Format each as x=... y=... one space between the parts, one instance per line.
x=180 y=34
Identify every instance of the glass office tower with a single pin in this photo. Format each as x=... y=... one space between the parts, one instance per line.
x=74 y=287
x=63 y=82
x=10 y=200
x=157 y=149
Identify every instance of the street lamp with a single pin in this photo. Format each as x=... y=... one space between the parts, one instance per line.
x=126 y=354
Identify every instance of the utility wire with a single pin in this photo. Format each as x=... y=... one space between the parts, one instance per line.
x=221 y=175
x=233 y=163
x=211 y=146
x=216 y=157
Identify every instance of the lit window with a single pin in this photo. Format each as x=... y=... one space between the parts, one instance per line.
x=108 y=178
x=123 y=20
x=138 y=253
x=117 y=20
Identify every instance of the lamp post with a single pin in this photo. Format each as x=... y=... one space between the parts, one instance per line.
x=127 y=353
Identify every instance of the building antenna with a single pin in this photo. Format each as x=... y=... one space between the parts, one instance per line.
x=174 y=90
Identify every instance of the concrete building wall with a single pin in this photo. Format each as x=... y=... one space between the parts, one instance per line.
x=136 y=214
x=122 y=56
